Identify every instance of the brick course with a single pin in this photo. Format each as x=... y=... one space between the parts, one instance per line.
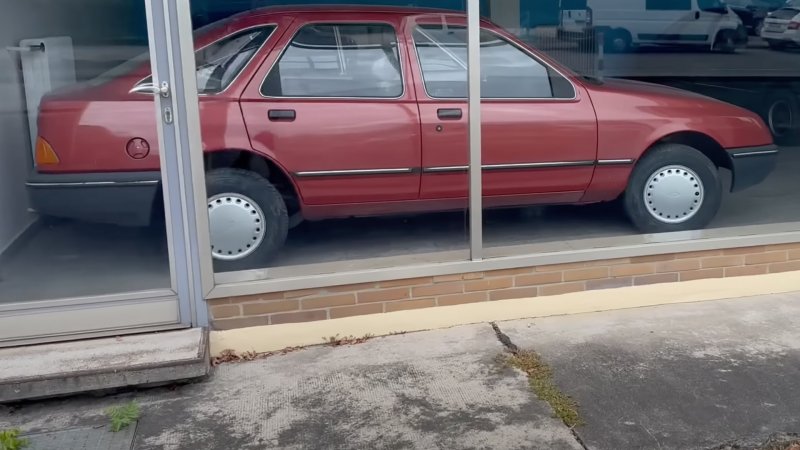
x=525 y=282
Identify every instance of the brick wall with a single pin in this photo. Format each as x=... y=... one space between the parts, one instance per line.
x=396 y=295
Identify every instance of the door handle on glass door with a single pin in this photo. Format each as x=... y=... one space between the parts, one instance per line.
x=150 y=88
x=281 y=114
x=449 y=113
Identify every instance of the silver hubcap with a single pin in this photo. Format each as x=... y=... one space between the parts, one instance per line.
x=673 y=194
x=237 y=226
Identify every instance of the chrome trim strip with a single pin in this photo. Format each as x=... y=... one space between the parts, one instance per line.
x=754 y=153
x=513 y=166
x=614 y=162
x=337 y=173
x=444 y=169
x=92 y=183
x=537 y=165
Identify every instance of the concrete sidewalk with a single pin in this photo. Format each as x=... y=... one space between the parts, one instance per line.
x=679 y=376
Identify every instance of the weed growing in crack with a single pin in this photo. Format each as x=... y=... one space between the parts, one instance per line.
x=10 y=440
x=335 y=341
x=540 y=378
x=230 y=356
x=123 y=416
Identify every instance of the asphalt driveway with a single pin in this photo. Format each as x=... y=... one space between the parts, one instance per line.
x=690 y=376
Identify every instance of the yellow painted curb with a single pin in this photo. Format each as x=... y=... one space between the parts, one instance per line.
x=275 y=337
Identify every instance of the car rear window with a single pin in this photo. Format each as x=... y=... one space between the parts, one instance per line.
x=338 y=60
x=219 y=63
x=785 y=13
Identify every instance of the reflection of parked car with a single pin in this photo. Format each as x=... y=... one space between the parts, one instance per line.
x=782 y=28
x=752 y=16
x=317 y=113
x=627 y=23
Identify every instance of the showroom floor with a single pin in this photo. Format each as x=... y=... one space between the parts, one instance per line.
x=73 y=259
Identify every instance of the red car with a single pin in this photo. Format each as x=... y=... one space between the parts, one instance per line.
x=319 y=112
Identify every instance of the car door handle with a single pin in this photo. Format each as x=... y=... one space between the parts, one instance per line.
x=281 y=114
x=449 y=113
x=696 y=15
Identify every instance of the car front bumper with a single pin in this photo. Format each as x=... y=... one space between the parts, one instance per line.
x=788 y=36
x=751 y=165
x=122 y=198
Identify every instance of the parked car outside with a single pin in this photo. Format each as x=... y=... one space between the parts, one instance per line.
x=751 y=14
x=625 y=24
x=311 y=113
x=782 y=28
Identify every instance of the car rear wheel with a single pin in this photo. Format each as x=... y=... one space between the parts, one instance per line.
x=247 y=218
x=776 y=45
x=617 y=41
x=782 y=114
x=673 y=188
x=726 y=41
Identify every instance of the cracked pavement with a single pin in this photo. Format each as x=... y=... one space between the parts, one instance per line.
x=679 y=376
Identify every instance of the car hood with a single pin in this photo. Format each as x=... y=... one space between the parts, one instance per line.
x=615 y=85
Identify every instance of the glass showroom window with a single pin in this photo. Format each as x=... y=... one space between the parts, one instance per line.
x=350 y=138
x=323 y=159
x=685 y=118
x=84 y=234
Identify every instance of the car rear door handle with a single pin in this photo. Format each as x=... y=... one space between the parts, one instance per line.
x=696 y=15
x=281 y=114
x=449 y=113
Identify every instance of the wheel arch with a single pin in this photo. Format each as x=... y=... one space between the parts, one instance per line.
x=262 y=165
x=701 y=142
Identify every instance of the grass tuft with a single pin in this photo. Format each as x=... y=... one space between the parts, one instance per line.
x=123 y=416
x=10 y=440
x=540 y=378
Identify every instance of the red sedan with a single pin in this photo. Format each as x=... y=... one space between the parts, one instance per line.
x=314 y=113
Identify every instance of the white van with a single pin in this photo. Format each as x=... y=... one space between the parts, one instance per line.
x=627 y=23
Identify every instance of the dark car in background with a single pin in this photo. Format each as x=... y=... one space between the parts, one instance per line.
x=753 y=12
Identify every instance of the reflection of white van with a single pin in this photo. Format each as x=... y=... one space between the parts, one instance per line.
x=626 y=23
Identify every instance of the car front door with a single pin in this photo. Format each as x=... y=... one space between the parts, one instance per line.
x=539 y=130
x=333 y=108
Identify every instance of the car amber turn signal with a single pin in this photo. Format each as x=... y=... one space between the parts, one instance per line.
x=45 y=153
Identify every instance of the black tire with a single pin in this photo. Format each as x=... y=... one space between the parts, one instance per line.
x=782 y=116
x=725 y=41
x=776 y=45
x=663 y=156
x=264 y=196
x=617 y=41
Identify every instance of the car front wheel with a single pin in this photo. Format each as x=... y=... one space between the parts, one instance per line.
x=673 y=188
x=247 y=217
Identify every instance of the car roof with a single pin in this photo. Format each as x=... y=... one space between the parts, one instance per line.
x=343 y=8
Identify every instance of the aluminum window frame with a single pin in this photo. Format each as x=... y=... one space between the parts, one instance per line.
x=258 y=281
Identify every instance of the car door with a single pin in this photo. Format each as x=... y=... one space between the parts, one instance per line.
x=334 y=109
x=671 y=22
x=539 y=130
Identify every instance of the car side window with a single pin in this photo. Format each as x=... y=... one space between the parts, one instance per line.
x=668 y=5
x=506 y=70
x=338 y=60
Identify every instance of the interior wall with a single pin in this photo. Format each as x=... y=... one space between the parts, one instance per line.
x=98 y=28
